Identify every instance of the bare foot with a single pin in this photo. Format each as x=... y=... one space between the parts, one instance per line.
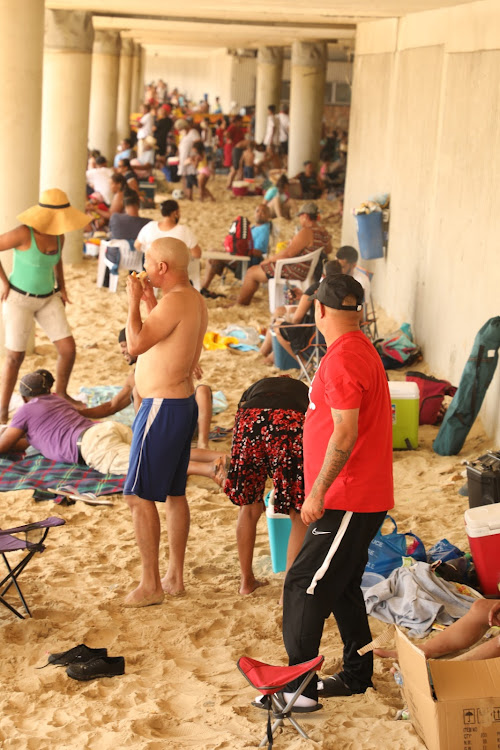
x=385 y=654
x=172 y=587
x=141 y=598
x=220 y=467
x=250 y=587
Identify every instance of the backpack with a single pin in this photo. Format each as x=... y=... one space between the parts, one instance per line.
x=432 y=392
x=239 y=240
x=398 y=349
x=476 y=377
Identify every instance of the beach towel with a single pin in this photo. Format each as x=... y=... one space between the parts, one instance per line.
x=99 y=394
x=415 y=598
x=36 y=472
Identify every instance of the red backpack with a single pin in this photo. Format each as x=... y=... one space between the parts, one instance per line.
x=432 y=393
x=239 y=240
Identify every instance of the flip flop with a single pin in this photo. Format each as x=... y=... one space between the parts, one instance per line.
x=72 y=493
x=219 y=433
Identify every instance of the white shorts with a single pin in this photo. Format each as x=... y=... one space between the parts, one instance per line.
x=19 y=311
x=106 y=447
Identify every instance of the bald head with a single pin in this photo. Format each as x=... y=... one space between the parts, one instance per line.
x=171 y=251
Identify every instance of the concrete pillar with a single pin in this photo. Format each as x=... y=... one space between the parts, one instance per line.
x=307 y=93
x=142 y=75
x=124 y=89
x=67 y=63
x=21 y=63
x=104 y=92
x=269 y=70
x=134 y=86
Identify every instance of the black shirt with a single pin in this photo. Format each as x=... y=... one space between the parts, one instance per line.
x=276 y=393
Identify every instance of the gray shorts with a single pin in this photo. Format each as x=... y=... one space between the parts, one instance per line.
x=19 y=312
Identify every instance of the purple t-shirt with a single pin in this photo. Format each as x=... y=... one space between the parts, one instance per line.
x=52 y=426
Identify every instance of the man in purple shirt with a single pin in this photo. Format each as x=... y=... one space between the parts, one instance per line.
x=61 y=433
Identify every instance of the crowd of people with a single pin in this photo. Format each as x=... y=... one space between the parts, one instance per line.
x=316 y=445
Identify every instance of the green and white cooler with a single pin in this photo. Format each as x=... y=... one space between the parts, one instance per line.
x=405 y=405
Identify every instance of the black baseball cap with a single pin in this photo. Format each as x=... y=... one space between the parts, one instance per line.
x=334 y=289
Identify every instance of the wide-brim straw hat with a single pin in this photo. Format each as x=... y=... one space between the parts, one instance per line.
x=53 y=214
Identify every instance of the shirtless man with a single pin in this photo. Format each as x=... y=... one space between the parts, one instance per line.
x=167 y=344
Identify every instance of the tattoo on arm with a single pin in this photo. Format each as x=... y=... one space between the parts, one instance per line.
x=337 y=416
x=335 y=460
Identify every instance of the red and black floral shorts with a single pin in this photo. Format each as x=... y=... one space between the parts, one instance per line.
x=267 y=443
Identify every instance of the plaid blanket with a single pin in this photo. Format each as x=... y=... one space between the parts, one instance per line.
x=36 y=472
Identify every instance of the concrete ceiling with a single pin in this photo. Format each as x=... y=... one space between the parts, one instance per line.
x=236 y=24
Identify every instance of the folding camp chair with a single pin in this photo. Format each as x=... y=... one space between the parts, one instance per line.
x=11 y=543
x=269 y=680
x=309 y=358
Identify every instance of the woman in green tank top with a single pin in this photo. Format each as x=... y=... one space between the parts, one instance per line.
x=35 y=289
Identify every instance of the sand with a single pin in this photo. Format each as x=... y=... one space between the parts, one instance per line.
x=182 y=688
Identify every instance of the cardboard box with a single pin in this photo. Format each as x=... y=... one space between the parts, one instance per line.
x=462 y=712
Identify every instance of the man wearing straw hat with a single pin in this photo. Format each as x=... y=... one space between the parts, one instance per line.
x=35 y=289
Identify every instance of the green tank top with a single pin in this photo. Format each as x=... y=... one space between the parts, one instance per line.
x=33 y=271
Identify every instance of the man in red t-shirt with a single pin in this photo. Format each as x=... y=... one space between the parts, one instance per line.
x=348 y=489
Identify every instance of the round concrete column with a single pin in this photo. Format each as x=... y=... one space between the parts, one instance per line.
x=307 y=93
x=104 y=92
x=67 y=62
x=269 y=70
x=134 y=84
x=124 y=89
x=21 y=63
x=142 y=75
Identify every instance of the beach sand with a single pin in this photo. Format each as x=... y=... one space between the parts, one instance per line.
x=182 y=688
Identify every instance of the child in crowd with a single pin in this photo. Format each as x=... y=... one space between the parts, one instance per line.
x=200 y=161
x=247 y=161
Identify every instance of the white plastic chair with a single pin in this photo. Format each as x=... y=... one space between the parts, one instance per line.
x=276 y=285
x=130 y=259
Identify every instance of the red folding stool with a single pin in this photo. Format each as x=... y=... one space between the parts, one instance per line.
x=269 y=680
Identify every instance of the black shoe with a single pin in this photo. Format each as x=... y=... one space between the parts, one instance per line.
x=77 y=655
x=335 y=687
x=104 y=666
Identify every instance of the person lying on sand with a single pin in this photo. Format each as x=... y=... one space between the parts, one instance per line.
x=463 y=634
x=65 y=434
x=267 y=442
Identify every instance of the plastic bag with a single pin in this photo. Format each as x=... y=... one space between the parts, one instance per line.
x=386 y=551
x=444 y=551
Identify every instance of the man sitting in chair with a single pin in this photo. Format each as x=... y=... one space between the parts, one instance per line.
x=127 y=226
x=311 y=236
x=62 y=433
x=348 y=256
